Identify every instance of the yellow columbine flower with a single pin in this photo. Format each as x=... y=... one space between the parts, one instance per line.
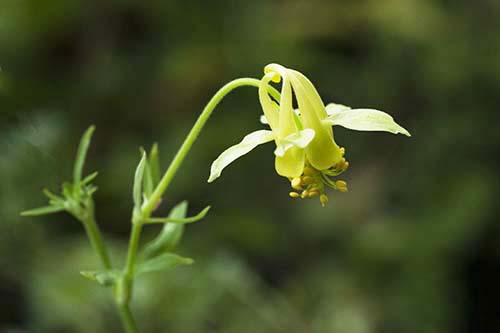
x=306 y=152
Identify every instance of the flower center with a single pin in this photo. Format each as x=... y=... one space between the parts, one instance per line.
x=312 y=181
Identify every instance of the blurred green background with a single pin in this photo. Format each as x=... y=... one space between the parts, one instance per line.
x=414 y=246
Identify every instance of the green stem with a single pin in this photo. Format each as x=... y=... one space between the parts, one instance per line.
x=133 y=246
x=167 y=178
x=127 y=319
x=96 y=240
x=193 y=135
x=177 y=161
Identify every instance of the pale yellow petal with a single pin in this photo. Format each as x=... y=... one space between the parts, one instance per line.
x=291 y=164
x=322 y=152
x=269 y=107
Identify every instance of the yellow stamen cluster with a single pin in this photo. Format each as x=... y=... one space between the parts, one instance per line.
x=338 y=168
x=312 y=181
x=309 y=184
x=342 y=165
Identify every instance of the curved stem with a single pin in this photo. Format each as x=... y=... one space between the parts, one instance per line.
x=176 y=163
x=193 y=135
x=165 y=181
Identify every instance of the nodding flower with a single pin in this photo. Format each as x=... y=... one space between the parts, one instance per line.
x=306 y=152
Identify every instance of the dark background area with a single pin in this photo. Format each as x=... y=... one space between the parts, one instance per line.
x=414 y=246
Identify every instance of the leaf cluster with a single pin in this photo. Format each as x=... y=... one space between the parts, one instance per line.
x=76 y=199
x=76 y=196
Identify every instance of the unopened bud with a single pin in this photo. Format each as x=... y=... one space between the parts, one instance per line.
x=294 y=195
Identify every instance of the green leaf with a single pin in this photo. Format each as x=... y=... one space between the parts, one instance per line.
x=139 y=174
x=81 y=154
x=161 y=263
x=89 y=178
x=151 y=171
x=299 y=139
x=68 y=190
x=43 y=211
x=90 y=189
x=154 y=164
x=53 y=198
x=191 y=219
x=148 y=181
x=170 y=235
x=248 y=143
x=362 y=119
x=105 y=278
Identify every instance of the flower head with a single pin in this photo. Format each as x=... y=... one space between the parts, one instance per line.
x=306 y=152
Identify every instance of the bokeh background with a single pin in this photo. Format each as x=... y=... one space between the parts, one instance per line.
x=414 y=246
